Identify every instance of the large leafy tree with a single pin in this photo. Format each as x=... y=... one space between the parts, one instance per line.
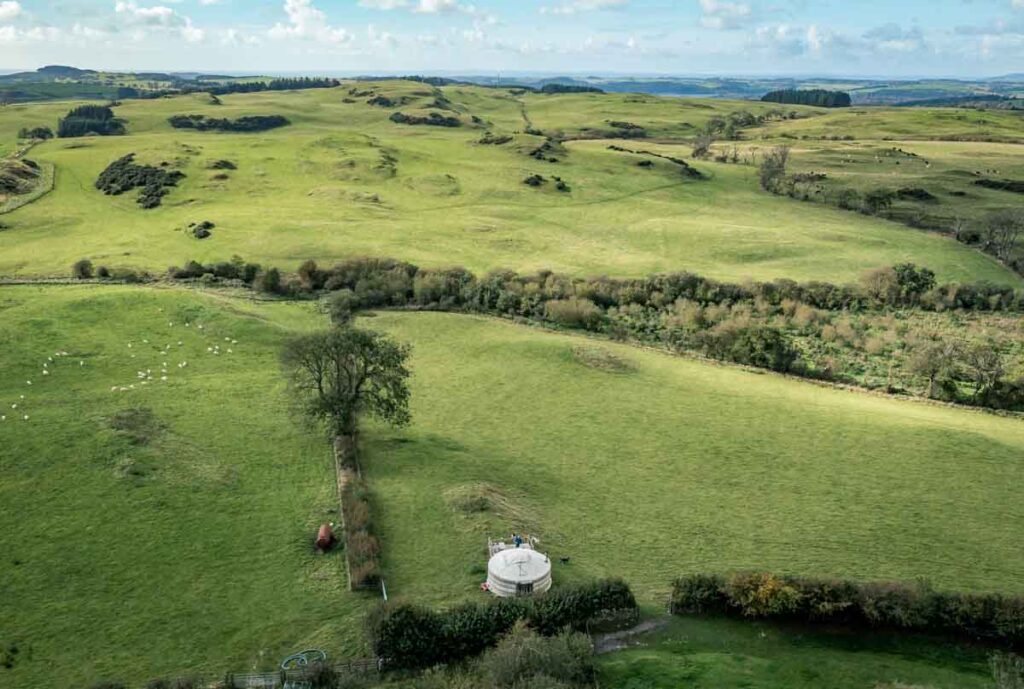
x=340 y=374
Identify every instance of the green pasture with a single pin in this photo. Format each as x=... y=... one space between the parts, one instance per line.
x=646 y=466
x=881 y=123
x=345 y=181
x=166 y=528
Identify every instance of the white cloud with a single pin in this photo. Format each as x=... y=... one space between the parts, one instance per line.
x=724 y=15
x=9 y=9
x=305 y=21
x=576 y=6
x=383 y=4
x=158 y=15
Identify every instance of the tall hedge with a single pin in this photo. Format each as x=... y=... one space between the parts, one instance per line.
x=409 y=636
x=877 y=605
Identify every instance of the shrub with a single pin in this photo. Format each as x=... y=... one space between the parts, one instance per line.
x=762 y=595
x=124 y=174
x=880 y=605
x=434 y=119
x=524 y=658
x=268 y=281
x=410 y=636
x=82 y=270
x=41 y=133
x=574 y=313
x=341 y=306
x=248 y=124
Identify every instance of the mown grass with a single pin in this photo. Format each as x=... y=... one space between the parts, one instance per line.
x=710 y=654
x=344 y=180
x=167 y=529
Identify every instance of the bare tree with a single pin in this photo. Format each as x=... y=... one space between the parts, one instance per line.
x=1001 y=231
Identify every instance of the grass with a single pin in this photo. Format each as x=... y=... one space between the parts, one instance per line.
x=676 y=466
x=166 y=529
x=708 y=654
x=344 y=181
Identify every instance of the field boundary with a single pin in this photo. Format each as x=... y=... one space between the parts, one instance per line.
x=215 y=291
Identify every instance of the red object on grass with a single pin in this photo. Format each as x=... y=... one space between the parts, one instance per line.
x=325 y=539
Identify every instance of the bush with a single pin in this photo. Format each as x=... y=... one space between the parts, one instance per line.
x=434 y=119
x=124 y=174
x=362 y=549
x=82 y=270
x=877 y=605
x=89 y=119
x=341 y=306
x=525 y=658
x=574 y=313
x=268 y=281
x=248 y=124
x=411 y=637
x=41 y=133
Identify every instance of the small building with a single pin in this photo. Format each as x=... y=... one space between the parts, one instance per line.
x=517 y=570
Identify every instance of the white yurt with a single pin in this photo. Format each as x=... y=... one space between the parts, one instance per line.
x=518 y=572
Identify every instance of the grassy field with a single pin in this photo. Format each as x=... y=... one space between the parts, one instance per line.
x=675 y=466
x=708 y=654
x=165 y=528
x=344 y=180
x=905 y=124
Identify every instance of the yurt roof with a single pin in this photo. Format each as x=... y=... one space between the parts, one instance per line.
x=519 y=565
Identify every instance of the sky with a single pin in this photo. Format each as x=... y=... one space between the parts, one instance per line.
x=872 y=38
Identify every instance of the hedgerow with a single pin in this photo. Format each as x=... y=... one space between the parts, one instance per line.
x=362 y=549
x=409 y=636
x=799 y=328
x=877 y=605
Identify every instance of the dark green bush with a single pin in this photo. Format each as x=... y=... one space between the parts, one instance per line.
x=82 y=270
x=411 y=637
x=248 y=124
x=124 y=174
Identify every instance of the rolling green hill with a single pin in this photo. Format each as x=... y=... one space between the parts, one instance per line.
x=345 y=180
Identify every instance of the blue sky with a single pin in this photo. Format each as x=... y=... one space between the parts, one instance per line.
x=750 y=37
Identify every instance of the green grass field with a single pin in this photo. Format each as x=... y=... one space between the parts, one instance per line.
x=166 y=528
x=679 y=466
x=177 y=537
x=345 y=181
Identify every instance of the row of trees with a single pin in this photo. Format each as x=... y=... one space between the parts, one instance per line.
x=769 y=325
x=821 y=98
x=247 y=124
x=84 y=120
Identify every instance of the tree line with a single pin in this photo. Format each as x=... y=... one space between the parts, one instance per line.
x=816 y=329
x=89 y=119
x=820 y=98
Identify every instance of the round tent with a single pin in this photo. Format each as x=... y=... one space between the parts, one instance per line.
x=518 y=572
